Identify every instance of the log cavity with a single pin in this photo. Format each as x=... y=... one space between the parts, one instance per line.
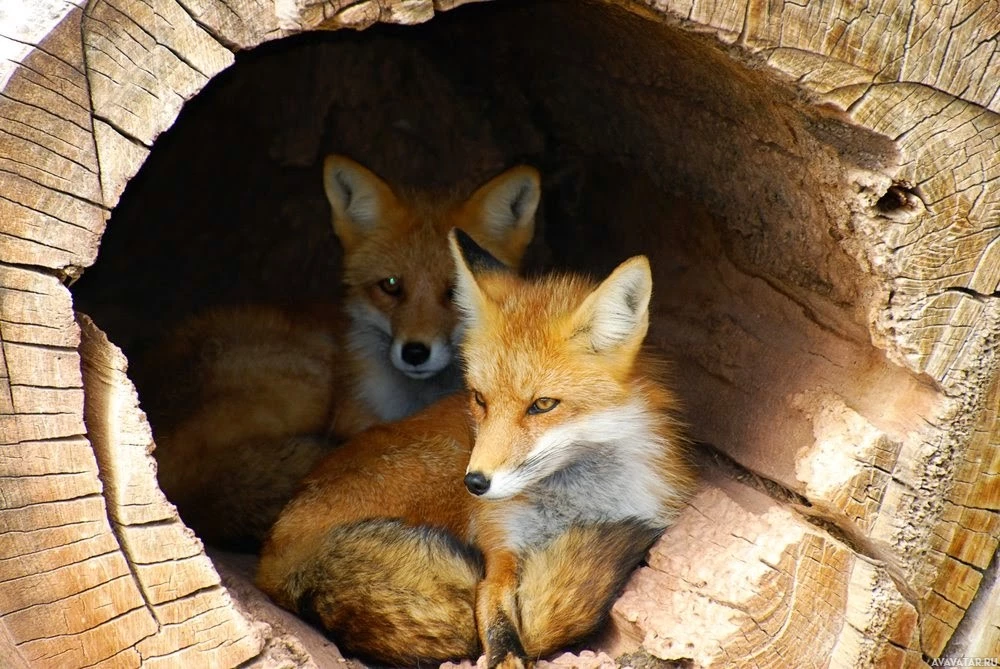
x=744 y=195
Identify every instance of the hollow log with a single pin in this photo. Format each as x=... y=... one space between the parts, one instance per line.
x=817 y=185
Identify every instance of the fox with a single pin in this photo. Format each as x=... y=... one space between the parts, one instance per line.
x=244 y=400
x=505 y=519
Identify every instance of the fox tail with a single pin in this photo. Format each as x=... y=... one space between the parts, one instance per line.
x=392 y=592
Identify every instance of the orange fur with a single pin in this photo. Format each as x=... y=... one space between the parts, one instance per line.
x=570 y=497
x=245 y=400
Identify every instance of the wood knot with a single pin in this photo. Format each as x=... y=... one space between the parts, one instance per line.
x=901 y=201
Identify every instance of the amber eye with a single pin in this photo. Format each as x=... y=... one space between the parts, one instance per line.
x=543 y=405
x=391 y=285
x=480 y=400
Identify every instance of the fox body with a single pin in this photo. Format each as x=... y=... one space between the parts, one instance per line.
x=567 y=442
x=245 y=400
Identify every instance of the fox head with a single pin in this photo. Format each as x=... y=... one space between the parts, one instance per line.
x=397 y=268
x=548 y=364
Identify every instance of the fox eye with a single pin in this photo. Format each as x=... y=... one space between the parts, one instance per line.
x=391 y=285
x=478 y=397
x=543 y=405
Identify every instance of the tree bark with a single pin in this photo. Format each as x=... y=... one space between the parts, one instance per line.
x=850 y=514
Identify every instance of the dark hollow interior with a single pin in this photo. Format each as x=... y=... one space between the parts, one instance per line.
x=650 y=140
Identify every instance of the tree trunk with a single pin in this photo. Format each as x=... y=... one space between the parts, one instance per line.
x=832 y=303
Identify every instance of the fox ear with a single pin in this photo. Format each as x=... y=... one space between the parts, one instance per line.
x=503 y=212
x=357 y=196
x=617 y=312
x=470 y=259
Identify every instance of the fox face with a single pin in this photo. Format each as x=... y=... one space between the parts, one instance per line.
x=399 y=272
x=548 y=365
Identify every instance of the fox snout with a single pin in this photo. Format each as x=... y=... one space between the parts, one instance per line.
x=418 y=359
x=477 y=483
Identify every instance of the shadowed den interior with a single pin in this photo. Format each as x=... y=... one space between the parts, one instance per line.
x=650 y=140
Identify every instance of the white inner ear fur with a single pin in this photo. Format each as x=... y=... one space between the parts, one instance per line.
x=352 y=192
x=619 y=308
x=511 y=204
x=468 y=297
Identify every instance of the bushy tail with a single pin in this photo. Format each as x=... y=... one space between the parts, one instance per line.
x=392 y=593
x=567 y=587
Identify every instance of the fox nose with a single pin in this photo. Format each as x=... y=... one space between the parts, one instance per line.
x=414 y=353
x=477 y=483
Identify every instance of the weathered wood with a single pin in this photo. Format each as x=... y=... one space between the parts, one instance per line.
x=168 y=568
x=893 y=447
x=50 y=213
x=302 y=15
x=742 y=577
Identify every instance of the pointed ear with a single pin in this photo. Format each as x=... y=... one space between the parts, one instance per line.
x=617 y=312
x=501 y=213
x=470 y=259
x=357 y=197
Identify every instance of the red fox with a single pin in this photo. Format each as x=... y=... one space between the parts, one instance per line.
x=568 y=443
x=245 y=400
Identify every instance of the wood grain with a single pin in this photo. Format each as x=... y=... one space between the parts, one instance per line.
x=882 y=508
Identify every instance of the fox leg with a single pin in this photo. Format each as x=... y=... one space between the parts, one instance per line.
x=496 y=612
x=566 y=588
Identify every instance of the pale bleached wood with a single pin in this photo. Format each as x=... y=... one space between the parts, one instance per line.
x=949 y=47
x=143 y=62
x=50 y=213
x=121 y=157
x=920 y=506
x=168 y=565
x=302 y=15
x=742 y=578
x=239 y=24
x=71 y=596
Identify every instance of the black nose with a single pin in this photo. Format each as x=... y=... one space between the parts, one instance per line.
x=477 y=483
x=414 y=353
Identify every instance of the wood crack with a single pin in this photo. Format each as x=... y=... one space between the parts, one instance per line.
x=96 y=556
x=983 y=298
x=47 y=112
x=843 y=532
x=104 y=661
x=48 y=602
x=121 y=131
x=221 y=39
x=75 y=196
x=39 y=47
x=75 y=498
x=975 y=615
x=109 y=621
x=15 y=477
x=55 y=83
x=78 y=540
x=179 y=56
x=135 y=66
x=44 y=326
x=7 y=233
x=47 y=149
x=140 y=585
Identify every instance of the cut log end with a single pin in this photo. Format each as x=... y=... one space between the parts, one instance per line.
x=830 y=302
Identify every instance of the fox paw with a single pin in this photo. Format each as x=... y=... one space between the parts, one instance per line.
x=513 y=661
